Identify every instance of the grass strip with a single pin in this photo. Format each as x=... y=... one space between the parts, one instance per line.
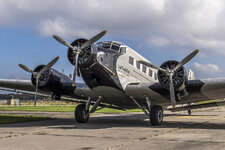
x=59 y=109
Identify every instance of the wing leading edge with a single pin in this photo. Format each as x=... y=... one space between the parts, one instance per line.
x=24 y=85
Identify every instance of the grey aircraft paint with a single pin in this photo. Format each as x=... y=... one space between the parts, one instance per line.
x=109 y=74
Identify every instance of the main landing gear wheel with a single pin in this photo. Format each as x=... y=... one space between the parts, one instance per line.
x=156 y=115
x=81 y=115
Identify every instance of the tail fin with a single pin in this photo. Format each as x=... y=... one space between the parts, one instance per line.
x=191 y=75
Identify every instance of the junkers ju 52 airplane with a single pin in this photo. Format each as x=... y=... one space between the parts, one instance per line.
x=117 y=77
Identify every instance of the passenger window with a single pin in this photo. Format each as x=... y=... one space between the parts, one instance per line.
x=155 y=76
x=138 y=64
x=144 y=68
x=131 y=60
x=150 y=73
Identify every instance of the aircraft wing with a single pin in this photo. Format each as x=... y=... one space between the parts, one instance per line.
x=198 y=90
x=24 y=85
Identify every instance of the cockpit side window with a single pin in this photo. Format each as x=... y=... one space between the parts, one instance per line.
x=115 y=47
x=106 y=45
x=99 y=44
x=123 y=50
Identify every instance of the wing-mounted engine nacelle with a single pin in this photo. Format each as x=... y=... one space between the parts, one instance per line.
x=85 y=58
x=53 y=81
x=179 y=78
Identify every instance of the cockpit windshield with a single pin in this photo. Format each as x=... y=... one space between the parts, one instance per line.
x=106 y=45
x=115 y=46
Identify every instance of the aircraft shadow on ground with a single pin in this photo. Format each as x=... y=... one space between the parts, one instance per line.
x=131 y=120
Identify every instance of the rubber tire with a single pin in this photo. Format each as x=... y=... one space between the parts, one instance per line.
x=156 y=115
x=79 y=114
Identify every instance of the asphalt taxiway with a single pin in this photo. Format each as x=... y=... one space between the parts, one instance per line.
x=205 y=129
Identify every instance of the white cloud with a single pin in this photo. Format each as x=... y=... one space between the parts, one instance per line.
x=157 y=41
x=206 y=68
x=179 y=24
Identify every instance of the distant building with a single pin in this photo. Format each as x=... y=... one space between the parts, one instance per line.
x=13 y=101
x=3 y=101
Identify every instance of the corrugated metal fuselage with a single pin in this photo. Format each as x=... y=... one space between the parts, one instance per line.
x=127 y=80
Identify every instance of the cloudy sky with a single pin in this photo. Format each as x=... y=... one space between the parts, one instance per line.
x=160 y=30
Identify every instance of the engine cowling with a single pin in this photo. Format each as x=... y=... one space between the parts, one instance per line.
x=84 y=58
x=48 y=77
x=179 y=78
x=53 y=81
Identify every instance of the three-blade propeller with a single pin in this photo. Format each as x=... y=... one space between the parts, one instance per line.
x=77 y=50
x=37 y=75
x=170 y=72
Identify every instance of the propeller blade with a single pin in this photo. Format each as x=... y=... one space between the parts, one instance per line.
x=75 y=69
x=186 y=59
x=25 y=68
x=62 y=41
x=151 y=65
x=49 y=65
x=36 y=88
x=93 y=39
x=172 y=92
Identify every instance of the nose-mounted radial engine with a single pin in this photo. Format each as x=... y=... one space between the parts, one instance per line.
x=80 y=51
x=84 y=56
x=172 y=76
